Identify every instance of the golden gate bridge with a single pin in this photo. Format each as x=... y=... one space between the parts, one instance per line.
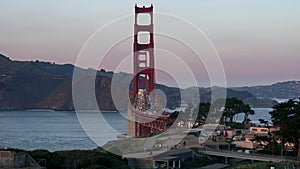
x=142 y=120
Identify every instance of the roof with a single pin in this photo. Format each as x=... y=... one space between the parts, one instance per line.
x=164 y=158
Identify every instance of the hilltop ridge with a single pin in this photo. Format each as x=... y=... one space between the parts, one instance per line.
x=46 y=85
x=280 y=90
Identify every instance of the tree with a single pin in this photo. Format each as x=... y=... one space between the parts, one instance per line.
x=264 y=123
x=203 y=110
x=269 y=142
x=286 y=115
x=234 y=106
x=246 y=109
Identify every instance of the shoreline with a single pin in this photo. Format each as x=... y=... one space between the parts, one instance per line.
x=55 y=110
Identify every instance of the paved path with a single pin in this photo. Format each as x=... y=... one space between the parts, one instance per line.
x=255 y=156
x=215 y=166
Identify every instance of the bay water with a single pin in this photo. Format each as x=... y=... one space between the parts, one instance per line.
x=61 y=130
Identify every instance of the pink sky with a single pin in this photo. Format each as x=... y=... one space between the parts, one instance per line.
x=258 y=42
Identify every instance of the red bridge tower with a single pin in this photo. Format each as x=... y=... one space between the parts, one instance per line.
x=143 y=117
x=144 y=78
x=144 y=73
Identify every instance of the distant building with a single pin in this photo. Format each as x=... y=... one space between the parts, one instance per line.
x=171 y=160
x=259 y=130
x=228 y=133
x=246 y=142
x=245 y=145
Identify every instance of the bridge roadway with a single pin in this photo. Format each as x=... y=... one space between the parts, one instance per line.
x=153 y=122
x=227 y=154
x=252 y=156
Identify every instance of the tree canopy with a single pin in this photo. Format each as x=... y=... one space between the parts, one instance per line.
x=233 y=106
x=286 y=115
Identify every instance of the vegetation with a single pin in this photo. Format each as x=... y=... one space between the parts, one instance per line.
x=285 y=115
x=289 y=89
x=79 y=159
x=199 y=162
x=233 y=106
x=246 y=96
x=45 y=85
x=260 y=103
x=174 y=115
x=203 y=109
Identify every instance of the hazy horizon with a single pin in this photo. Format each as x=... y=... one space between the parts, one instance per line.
x=158 y=82
x=257 y=41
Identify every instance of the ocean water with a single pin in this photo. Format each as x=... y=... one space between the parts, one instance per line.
x=53 y=131
x=260 y=113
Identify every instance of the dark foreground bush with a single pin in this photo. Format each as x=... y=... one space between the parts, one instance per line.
x=80 y=159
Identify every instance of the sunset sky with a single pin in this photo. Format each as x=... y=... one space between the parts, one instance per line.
x=258 y=40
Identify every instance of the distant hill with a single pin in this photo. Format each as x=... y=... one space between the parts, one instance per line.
x=245 y=96
x=281 y=90
x=3 y=60
x=45 y=85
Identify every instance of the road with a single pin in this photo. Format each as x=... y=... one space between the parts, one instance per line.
x=253 y=156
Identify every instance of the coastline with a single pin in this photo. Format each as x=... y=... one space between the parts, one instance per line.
x=57 y=110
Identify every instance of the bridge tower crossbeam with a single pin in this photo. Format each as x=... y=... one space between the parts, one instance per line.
x=144 y=74
x=143 y=60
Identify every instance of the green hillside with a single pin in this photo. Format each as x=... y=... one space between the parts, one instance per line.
x=45 y=85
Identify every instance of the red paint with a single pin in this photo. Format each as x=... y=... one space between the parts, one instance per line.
x=144 y=78
x=143 y=68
